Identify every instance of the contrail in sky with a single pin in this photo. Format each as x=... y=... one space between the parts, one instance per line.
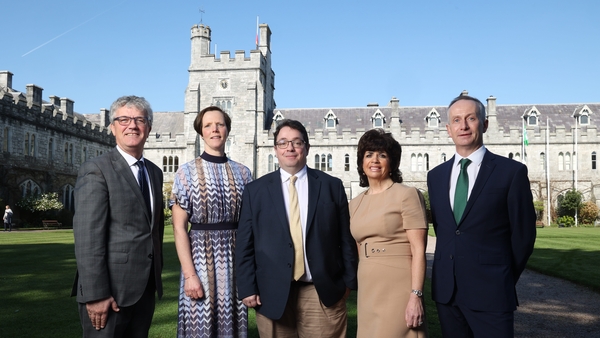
x=81 y=24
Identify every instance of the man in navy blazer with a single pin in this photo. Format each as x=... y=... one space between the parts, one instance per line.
x=312 y=305
x=479 y=258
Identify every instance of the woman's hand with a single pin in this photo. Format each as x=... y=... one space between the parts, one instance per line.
x=193 y=288
x=415 y=315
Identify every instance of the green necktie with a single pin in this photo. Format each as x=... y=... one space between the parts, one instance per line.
x=462 y=190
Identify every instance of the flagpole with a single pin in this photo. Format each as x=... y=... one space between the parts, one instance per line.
x=575 y=157
x=548 y=167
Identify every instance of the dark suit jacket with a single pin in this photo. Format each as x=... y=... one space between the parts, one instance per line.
x=116 y=240
x=483 y=256
x=264 y=251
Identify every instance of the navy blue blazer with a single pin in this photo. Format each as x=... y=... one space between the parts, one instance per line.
x=264 y=253
x=483 y=256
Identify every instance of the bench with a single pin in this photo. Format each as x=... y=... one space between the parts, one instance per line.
x=51 y=223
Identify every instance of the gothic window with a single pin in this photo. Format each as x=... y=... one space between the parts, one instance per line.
x=6 y=140
x=517 y=157
x=323 y=162
x=67 y=197
x=317 y=161
x=567 y=161
x=426 y=159
x=176 y=165
x=227 y=145
x=330 y=120
x=378 y=120
x=26 y=145
x=170 y=164
x=347 y=162
x=413 y=162
x=66 y=157
x=83 y=154
x=270 y=163
x=329 y=162
x=510 y=155
x=29 y=188
x=419 y=162
x=593 y=160
x=561 y=161
x=32 y=145
x=542 y=161
x=584 y=118
x=224 y=103
x=276 y=120
x=165 y=164
x=443 y=158
x=51 y=149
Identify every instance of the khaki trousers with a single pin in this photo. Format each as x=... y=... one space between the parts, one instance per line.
x=305 y=317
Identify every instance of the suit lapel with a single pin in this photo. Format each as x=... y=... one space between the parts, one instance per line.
x=121 y=166
x=485 y=172
x=314 y=188
x=276 y=194
x=443 y=183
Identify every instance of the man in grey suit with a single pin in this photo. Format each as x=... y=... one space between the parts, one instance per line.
x=118 y=228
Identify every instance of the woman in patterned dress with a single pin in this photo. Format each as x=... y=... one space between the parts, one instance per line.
x=207 y=193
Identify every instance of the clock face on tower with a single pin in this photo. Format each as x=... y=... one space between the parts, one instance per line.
x=224 y=84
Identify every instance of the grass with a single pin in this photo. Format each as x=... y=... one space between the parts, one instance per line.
x=37 y=269
x=568 y=253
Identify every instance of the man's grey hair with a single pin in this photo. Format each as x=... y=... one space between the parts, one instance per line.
x=138 y=102
x=480 y=107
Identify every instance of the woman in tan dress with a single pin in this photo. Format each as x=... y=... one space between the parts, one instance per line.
x=389 y=225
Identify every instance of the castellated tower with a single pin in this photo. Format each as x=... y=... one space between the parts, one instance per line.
x=242 y=86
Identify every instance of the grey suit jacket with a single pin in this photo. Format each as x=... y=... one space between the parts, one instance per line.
x=116 y=240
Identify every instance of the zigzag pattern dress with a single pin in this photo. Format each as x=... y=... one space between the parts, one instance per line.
x=210 y=189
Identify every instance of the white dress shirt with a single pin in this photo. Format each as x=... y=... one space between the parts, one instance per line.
x=472 y=170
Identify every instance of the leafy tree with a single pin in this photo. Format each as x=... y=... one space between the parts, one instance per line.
x=569 y=203
x=588 y=213
x=539 y=209
x=38 y=207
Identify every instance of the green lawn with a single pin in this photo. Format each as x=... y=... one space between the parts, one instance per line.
x=37 y=270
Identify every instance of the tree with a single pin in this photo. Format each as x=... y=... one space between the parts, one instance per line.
x=38 y=207
x=569 y=203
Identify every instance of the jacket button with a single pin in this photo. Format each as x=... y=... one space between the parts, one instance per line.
x=451 y=257
x=291 y=245
x=150 y=256
x=289 y=265
x=458 y=232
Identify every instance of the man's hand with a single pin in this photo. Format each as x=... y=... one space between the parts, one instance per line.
x=98 y=311
x=252 y=301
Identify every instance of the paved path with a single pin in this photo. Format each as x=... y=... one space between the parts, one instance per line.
x=550 y=307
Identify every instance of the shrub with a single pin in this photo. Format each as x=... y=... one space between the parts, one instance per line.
x=588 y=213
x=38 y=207
x=569 y=203
x=566 y=221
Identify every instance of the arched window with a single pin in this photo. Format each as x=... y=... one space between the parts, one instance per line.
x=510 y=155
x=51 y=149
x=29 y=188
x=443 y=157
x=26 y=145
x=323 y=162
x=346 y=162
x=426 y=158
x=32 y=145
x=176 y=165
x=270 y=163
x=413 y=162
x=567 y=161
x=593 y=160
x=542 y=161
x=317 y=162
x=378 y=120
x=517 y=157
x=164 y=164
x=561 y=161
x=330 y=120
x=170 y=164
x=532 y=119
x=67 y=197
x=329 y=162
x=419 y=162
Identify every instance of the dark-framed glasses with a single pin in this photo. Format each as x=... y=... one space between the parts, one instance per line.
x=282 y=144
x=126 y=120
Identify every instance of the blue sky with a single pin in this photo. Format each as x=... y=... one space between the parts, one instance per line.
x=325 y=53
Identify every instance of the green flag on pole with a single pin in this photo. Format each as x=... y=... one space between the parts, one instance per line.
x=525 y=139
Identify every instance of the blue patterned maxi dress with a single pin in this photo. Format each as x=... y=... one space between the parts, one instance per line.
x=210 y=189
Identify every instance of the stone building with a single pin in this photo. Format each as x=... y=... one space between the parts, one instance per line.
x=562 y=138
x=43 y=143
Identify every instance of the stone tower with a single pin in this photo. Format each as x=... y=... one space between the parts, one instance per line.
x=242 y=86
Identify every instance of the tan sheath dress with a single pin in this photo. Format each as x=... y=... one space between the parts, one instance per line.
x=378 y=224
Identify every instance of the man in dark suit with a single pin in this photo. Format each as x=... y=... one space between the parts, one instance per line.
x=295 y=257
x=118 y=228
x=484 y=221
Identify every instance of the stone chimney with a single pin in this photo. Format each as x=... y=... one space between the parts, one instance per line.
x=66 y=105
x=55 y=100
x=34 y=95
x=464 y=93
x=491 y=113
x=6 y=79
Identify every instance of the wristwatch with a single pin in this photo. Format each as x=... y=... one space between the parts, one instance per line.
x=419 y=293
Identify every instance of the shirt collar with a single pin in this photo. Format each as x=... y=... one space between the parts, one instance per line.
x=285 y=176
x=130 y=159
x=476 y=157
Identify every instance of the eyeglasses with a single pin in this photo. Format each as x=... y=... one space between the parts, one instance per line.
x=126 y=120
x=282 y=144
